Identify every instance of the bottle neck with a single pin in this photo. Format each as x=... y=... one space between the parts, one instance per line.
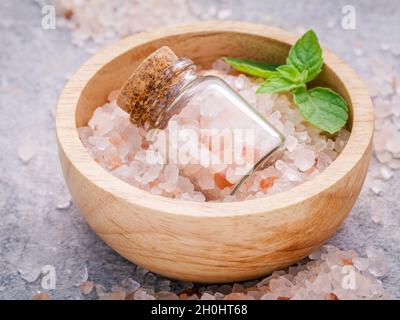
x=176 y=78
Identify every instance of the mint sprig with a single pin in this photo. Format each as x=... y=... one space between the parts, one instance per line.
x=322 y=107
x=254 y=68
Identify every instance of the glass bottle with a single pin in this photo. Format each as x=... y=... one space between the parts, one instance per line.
x=165 y=92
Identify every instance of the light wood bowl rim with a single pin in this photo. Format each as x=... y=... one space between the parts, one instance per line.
x=76 y=153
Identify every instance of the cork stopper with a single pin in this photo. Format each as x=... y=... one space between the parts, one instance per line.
x=149 y=86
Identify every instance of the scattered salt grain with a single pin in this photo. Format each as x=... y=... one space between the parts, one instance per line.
x=41 y=296
x=224 y=14
x=30 y=273
x=385 y=173
x=26 y=151
x=87 y=287
x=130 y=285
x=64 y=205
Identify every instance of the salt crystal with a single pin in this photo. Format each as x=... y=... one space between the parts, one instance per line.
x=87 y=287
x=207 y=296
x=393 y=144
x=81 y=275
x=100 y=290
x=130 y=285
x=41 y=296
x=240 y=82
x=165 y=295
x=376 y=217
x=304 y=159
x=330 y=144
x=385 y=47
x=140 y=295
x=358 y=52
x=384 y=157
x=164 y=285
x=394 y=164
x=222 y=66
x=320 y=145
x=64 y=205
x=141 y=273
x=237 y=287
x=30 y=273
x=225 y=289
x=290 y=143
x=386 y=173
x=376 y=188
x=264 y=104
x=361 y=263
x=225 y=13
x=26 y=151
x=377 y=265
x=100 y=143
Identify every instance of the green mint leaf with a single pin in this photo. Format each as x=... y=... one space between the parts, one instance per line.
x=254 y=68
x=277 y=84
x=291 y=73
x=322 y=107
x=306 y=54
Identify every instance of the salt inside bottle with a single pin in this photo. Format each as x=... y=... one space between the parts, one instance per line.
x=215 y=137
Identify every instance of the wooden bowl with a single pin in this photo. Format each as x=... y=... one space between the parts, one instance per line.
x=209 y=242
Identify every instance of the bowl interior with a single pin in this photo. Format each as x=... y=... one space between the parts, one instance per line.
x=203 y=48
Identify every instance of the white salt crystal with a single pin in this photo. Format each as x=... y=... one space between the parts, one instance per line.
x=130 y=285
x=281 y=165
x=221 y=65
x=100 y=143
x=394 y=164
x=207 y=296
x=291 y=143
x=383 y=157
x=361 y=263
x=288 y=128
x=225 y=13
x=358 y=52
x=376 y=217
x=385 y=173
x=376 y=188
x=30 y=273
x=393 y=144
x=85 y=132
x=320 y=145
x=302 y=135
x=232 y=176
x=264 y=103
x=198 y=197
x=240 y=82
x=26 y=151
x=171 y=173
x=64 y=205
x=292 y=175
x=229 y=199
x=377 y=265
x=304 y=159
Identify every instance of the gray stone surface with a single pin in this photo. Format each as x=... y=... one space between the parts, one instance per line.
x=35 y=64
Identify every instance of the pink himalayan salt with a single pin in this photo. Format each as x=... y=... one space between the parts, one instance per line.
x=124 y=149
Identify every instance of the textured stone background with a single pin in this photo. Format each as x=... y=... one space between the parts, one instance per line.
x=35 y=64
